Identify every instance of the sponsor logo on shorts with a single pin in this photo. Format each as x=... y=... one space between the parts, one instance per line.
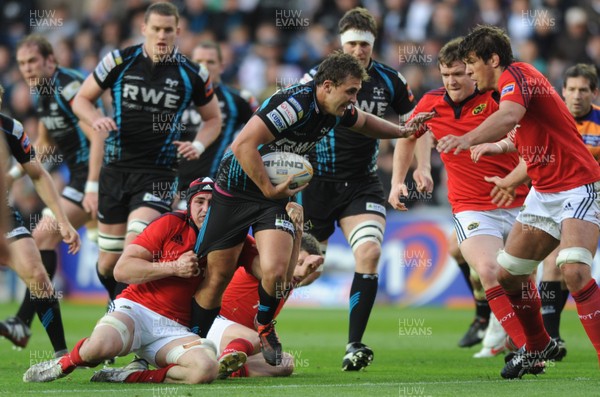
x=152 y=198
x=72 y=194
x=522 y=208
x=479 y=108
x=19 y=231
x=277 y=120
x=473 y=226
x=284 y=224
x=376 y=208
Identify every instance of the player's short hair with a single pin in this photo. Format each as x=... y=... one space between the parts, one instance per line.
x=164 y=9
x=450 y=53
x=358 y=18
x=310 y=244
x=486 y=40
x=583 y=70
x=337 y=66
x=43 y=45
x=212 y=45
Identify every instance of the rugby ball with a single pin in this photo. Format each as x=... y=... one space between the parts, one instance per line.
x=281 y=165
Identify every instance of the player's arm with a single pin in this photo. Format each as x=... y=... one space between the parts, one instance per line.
x=422 y=174
x=496 y=126
x=44 y=186
x=403 y=155
x=376 y=127
x=504 y=190
x=4 y=219
x=84 y=106
x=41 y=145
x=137 y=265
x=207 y=134
x=244 y=147
x=96 y=138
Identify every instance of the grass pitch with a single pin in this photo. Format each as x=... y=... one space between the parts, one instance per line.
x=416 y=354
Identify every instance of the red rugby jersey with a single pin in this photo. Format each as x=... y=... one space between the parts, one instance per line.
x=168 y=237
x=467 y=190
x=546 y=136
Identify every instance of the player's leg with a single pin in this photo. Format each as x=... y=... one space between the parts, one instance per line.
x=578 y=244
x=113 y=210
x=26 y=261
x=480 y=252
x=275 y=248
x=476 y=330
x=526 y=247
x=554 y=294
x=364 y=233
x=234 y=342
x=47 y=237
x=111 y=241
x=112 y=336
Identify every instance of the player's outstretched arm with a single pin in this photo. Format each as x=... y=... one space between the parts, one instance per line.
x=44 y=186
x=503 y=192
x=376 y=127
x=495 y=127
x=403 y=155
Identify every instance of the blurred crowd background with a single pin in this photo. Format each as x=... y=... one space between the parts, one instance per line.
x=268 y=44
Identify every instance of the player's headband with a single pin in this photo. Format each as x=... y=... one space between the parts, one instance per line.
x=357 y=35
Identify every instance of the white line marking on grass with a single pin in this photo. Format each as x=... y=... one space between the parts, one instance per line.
x=283 y=385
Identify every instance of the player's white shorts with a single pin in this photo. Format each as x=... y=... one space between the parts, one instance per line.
x=215 y=334
x=497 y=223
x=152 y=330
x=546 y=211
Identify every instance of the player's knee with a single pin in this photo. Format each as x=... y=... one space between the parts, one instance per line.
x=287 y=365
x=110 y=328
x=136 y=226
x=368 y=254
x=366 y=232
x=578 y=255
x=110 y=244
x=204 y=370
x=46 y=234
x=516 y=266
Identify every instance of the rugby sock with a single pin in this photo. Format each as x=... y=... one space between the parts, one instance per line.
x=505 y=314
x=482 y=309
x=27 y=308
x=73 y=360
x=466 y=272
x=526 y=305
x=239 y=345
x=362 y=298
x=48 y=311
x=149 y=375
x=202 y=319
x=587 y=301
x=267 y=306
x=552 y=297
x=240 y=373
x=108 y=282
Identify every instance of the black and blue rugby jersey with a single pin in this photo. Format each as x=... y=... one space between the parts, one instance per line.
x=16 y=139
x=236 y=109
x=53 y=104
x=149 y=99
x=294 y=118
x=346 y=155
